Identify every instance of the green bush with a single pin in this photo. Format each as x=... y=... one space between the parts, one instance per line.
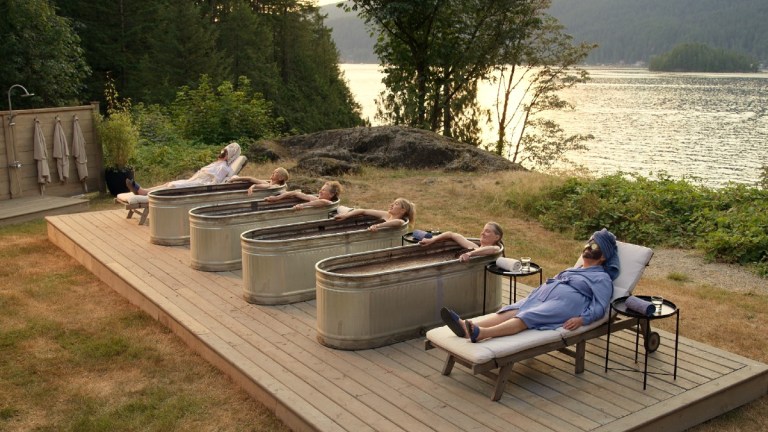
x=119 y=138
x=739 y=229
x=224 y=114
x=729 y=224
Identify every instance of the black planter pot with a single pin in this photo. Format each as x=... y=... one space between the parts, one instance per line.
x=115 y=179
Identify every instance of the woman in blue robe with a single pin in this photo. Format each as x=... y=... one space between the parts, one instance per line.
x=575 y=297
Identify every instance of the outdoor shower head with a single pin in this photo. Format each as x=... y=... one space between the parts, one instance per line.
x=10 y=108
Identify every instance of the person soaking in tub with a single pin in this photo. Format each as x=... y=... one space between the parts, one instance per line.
x=575 y=297
x=401 y=210
x=490 y=241
x=328 y=194
x=279 y=177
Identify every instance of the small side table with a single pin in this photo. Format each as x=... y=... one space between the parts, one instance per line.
x=651 y=339
x=408 y=237
x=493 y=268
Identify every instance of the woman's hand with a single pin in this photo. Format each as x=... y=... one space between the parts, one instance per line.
x=250 y=191
x=427 y=241
x=465 y=257
x=374 y=227
x=573 y=323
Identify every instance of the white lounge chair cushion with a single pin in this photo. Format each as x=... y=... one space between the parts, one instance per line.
x=633 y=259
x=132 y=198
x=487 y=350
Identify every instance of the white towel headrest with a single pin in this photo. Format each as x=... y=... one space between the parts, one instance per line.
x=509 y=264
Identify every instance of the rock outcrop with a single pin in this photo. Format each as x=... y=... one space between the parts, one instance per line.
x=335 y=152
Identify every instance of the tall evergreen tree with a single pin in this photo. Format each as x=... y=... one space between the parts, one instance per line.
x=41 y=51
x=115 y=36
x=245 y=38
x=182 y=49
x=314 y=96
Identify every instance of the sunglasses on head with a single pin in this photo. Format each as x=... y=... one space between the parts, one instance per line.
x=592 y=245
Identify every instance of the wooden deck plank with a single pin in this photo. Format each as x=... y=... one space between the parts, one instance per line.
x=272 y=352
x=222 y=319
x=28 y=208
x=304 y=409
x=321 y=370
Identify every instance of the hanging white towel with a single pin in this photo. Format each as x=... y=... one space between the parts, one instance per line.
x=78 y=151
x=41 y=155
x=61 y=151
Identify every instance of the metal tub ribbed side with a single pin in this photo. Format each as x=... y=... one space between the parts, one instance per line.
x=377 y=298
x=215 y=230
x=169 y=208
x=279 y=262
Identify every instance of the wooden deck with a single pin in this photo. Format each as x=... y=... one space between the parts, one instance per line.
x=271 y=351
x=23 y=209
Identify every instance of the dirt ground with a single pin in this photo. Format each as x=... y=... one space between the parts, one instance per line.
x=696 y=268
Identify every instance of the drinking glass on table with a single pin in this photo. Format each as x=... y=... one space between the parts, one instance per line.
x=657 y=302
x=526 y=264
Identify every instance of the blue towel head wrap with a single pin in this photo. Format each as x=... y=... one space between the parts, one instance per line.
x=607 y=242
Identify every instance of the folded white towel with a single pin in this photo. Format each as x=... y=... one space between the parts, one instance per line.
x=509 y=264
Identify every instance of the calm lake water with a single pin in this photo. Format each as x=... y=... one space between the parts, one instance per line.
x=709 y=127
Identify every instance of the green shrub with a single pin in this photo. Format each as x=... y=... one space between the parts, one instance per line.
x=223 y=114
x=637 y=209
x=119 y=138
x=739 y=230
x=729 y=224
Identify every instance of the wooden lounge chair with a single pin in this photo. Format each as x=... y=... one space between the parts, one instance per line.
x=501 y=353
x=139 y=204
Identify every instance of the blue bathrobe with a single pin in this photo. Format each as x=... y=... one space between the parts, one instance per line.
x=583 y=292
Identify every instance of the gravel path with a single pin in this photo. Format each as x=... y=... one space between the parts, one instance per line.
x=697 y=269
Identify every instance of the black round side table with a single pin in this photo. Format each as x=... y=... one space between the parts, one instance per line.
x=493 y=268
x=651 y=339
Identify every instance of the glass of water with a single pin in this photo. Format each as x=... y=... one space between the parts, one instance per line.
x=526 y=264
x=657 y=302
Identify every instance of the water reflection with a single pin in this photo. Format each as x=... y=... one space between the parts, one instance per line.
x=709 y=126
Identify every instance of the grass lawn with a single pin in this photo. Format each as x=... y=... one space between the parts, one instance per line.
x=74 y=355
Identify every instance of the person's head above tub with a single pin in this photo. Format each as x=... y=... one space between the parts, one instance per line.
x=490 y=241
x=400 y=211
x=279 y=177
x=328 y=194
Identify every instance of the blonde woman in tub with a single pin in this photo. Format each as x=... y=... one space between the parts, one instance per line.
x=279 y=177
x=400 y=211
x=575 y=297
x=328 y=194
x=490 y=241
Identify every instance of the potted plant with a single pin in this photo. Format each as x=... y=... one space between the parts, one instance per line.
x=119 y=138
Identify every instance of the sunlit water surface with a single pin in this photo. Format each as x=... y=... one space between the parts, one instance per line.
x=709 y=127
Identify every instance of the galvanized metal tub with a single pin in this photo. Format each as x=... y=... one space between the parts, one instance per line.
x=279 y=262
x=371 y=299
x=215 y=230
x=169 y=208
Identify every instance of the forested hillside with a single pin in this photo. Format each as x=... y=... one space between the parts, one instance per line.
x=632 y=31
x=627 y=31
x=152 y=49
